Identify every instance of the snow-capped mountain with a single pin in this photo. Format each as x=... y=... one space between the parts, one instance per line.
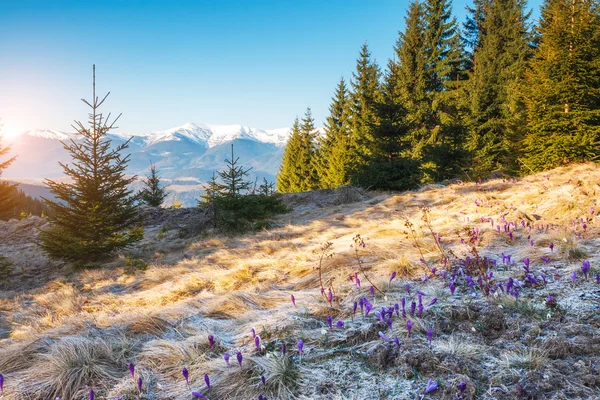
x=186 y=156
x=212 y=135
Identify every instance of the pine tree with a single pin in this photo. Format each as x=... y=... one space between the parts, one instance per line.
x=332 y=159
x=153 y=194
x=502 y=49
x=289 y=178
x=363 y=99
x=563 y=86
x=96 y=212
x=7 y=190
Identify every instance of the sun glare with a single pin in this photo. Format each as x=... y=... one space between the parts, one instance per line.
x=8 y=129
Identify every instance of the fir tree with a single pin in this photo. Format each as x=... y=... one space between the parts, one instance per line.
x=7 y=190
x=563 y=86
x=289 y=178
x=502 y=49
x=332 y=165
x=153 y=194
x=363 y=99
x=96 y=212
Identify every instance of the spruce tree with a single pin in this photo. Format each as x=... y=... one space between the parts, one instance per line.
x=388 y=166
x=363 y=115
x=502 y=49
x=234 y=178
x=332 y=165
x=96 y=212
x=7 y=190
x=153 y=193
x=289 y=178
x=563 y=86
x=409 y=71
x=307 y=158
x=445 y=66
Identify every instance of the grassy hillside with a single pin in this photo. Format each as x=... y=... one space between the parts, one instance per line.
x=497 y=330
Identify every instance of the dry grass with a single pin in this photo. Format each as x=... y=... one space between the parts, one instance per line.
x=79 y=329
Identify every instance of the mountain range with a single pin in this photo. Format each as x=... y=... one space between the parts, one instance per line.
x=186 y=156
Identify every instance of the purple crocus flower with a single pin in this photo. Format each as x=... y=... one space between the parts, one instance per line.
x=293 y=300
x=354 y=309
x=392 y=276
x=283 y=349
x=585 y=268
x=253 y=331
x=186 y=374
x=198 y=395
x=420 y=310
x=431 y=386
x=2 y=384
x=407 y=287
x=207 y=380
x=340 y=324
x=330 y=321
x=368 y=308
x=139 y=384
x=329 y=296
x=300 y=347
x=413 y=306
x=551 y=245
x=429 y=335
x=526 y=262
x=573 y=277
x=211 y=342
x=257 y=342
x=132 y=370
x=383 y=337
x=397 y=341
x=357 y=281
x=240 y=358
x=372 y=291
x=598 y=279
x=546 y=260
x=389 y=323
x=452 y=287
x=409 y=326
x=432 y=302
x=92 y=394
x=225 y=357
x=263 y=379
x=462 y=387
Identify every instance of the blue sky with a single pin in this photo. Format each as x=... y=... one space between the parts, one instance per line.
x=256 y=63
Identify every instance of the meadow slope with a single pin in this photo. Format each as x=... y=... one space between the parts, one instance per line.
x=493 y=326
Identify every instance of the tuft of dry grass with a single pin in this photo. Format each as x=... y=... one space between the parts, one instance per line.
x=71 y=366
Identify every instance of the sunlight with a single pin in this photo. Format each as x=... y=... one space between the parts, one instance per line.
x=8 y=130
